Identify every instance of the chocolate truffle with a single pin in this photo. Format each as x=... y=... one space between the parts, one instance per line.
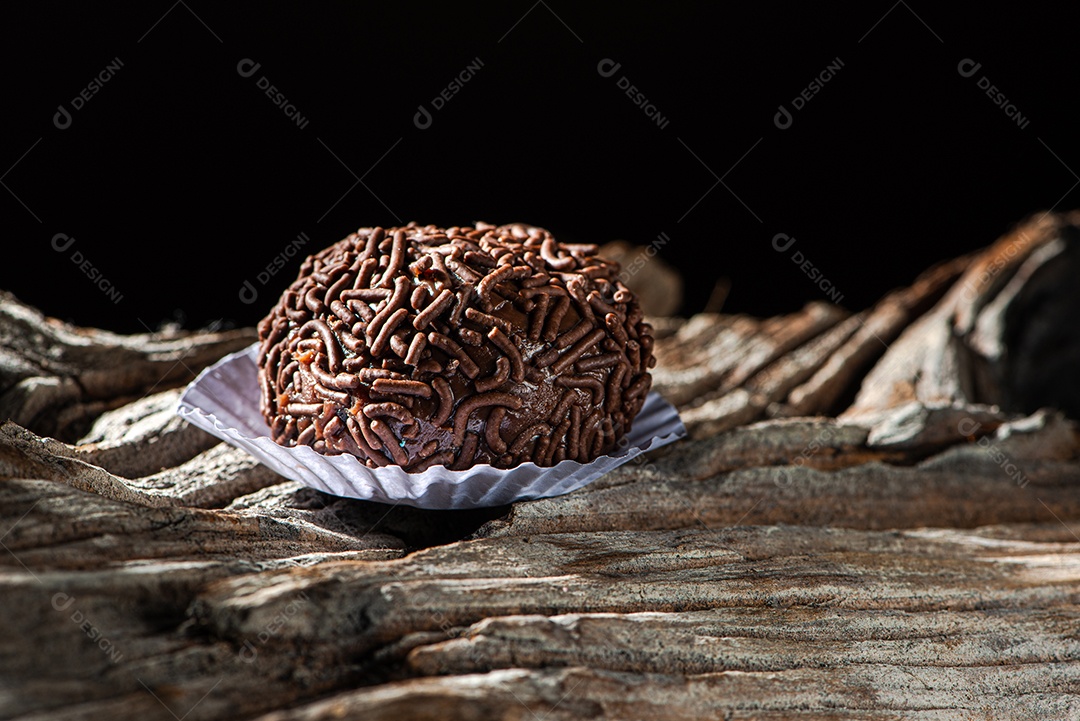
x=422 y=346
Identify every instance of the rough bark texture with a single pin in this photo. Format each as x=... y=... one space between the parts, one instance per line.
x=876 y=516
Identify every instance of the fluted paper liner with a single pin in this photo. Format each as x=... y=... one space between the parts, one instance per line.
x=224 y=401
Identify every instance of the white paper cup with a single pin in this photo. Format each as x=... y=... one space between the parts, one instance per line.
x=224 y=401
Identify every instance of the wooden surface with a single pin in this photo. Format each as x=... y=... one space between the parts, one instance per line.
x=872 y=519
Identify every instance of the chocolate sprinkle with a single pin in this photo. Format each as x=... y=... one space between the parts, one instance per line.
x=423 y=346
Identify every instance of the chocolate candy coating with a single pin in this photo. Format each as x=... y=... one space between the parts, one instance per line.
x=421 y=346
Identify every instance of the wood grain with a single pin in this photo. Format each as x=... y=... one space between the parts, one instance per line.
x=874 y=518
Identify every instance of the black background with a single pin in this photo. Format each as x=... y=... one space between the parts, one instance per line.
x=180 y=179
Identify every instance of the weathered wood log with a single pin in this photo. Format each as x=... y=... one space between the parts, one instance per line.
x=741 y=611
x=1006 y=333
x=874 y=518
x=56 y=378
x=120 y=441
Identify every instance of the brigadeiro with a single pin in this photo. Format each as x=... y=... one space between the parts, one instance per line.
x=421 y=346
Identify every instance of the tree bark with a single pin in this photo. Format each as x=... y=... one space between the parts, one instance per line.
x=877 y=516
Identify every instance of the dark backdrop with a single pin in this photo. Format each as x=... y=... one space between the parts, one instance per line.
x=180 y=179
